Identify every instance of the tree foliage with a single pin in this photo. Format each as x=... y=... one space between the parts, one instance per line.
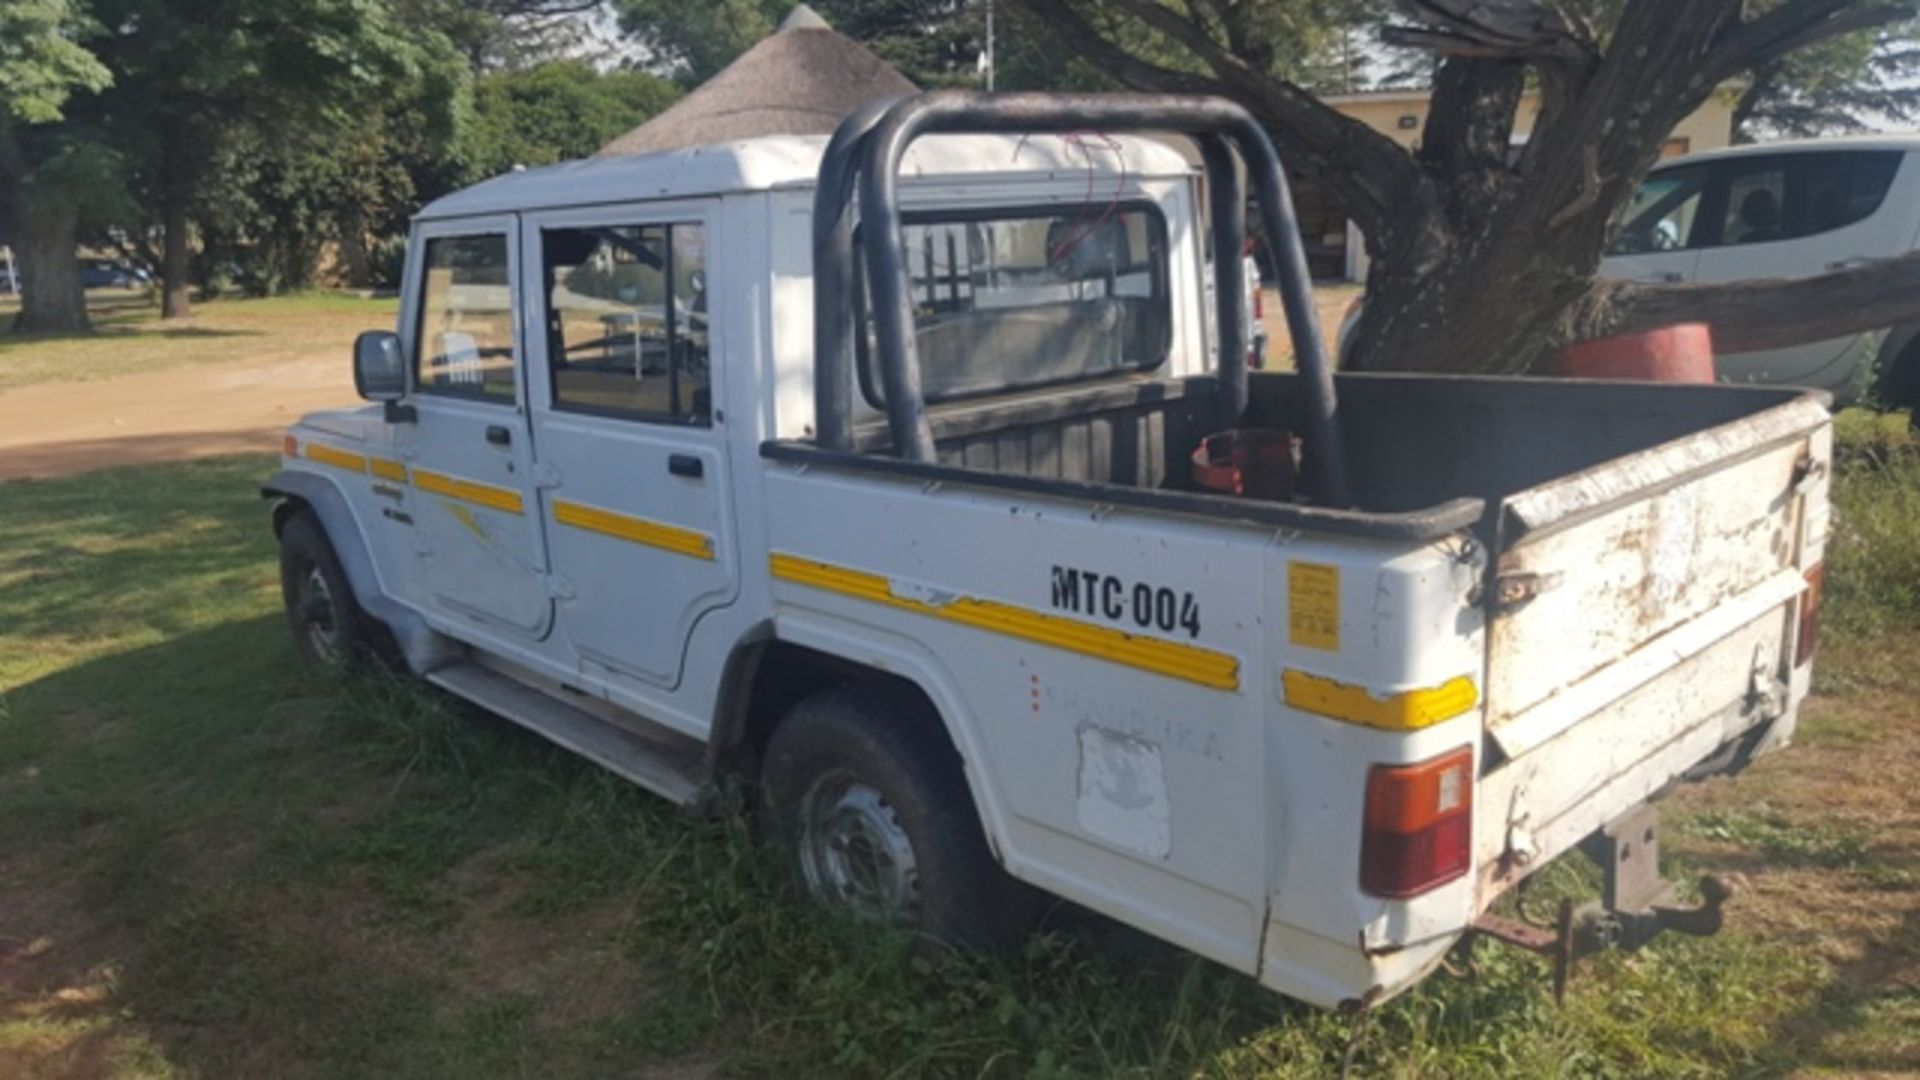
x=41 y=63
x=555 y=112
x=1850 y=84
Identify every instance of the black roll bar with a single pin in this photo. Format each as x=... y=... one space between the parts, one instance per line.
x=833 y=278
x=869 y=147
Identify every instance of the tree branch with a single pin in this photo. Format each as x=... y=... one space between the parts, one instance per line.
x=1367 y=171
x=1088 y=41
x=1795 y=25
x=1760 y=314
x=1495 y=30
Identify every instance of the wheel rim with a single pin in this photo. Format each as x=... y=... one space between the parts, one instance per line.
x=318 y=618
x=854 y=851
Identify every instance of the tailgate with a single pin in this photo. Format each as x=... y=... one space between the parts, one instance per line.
x=1642 y=600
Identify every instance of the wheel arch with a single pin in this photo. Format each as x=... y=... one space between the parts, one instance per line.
x=293 y=492
x=786 y=661
x=1897 y=383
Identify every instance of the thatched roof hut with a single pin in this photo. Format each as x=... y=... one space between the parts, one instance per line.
x=801 y=80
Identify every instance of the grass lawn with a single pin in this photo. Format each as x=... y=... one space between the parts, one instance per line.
x=130 y=337
x=214 y=865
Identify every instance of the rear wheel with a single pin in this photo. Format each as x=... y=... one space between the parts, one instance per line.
x=328 y=626
x=863 y=790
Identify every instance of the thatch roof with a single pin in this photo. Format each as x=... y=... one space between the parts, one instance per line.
x=802 y=80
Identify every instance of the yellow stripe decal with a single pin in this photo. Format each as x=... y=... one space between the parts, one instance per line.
x=387 y=469
x=638 y=530
x=487 y=495
x=1186 y=662
x=339 y=459
x=1409 y=710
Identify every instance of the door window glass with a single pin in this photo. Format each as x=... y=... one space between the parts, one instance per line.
x=1664 y=214
x=1790 y=196
x=1028 y=298
x=466 y=319
x=627 y=321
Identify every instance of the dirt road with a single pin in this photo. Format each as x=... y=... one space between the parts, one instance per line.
x=53 y=429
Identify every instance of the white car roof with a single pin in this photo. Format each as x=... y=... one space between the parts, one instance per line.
x=1903 y=143
x=793 y=161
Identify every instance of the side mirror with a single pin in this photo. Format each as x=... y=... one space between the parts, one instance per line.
x=379 y=369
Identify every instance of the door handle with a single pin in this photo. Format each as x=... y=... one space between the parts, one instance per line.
x=686 y=465
x=1665 y=277
x=498 y=434
x=1838 y=265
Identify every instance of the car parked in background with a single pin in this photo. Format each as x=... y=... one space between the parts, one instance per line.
x=1789 y=209
x=107 y=274
x=1786 y=209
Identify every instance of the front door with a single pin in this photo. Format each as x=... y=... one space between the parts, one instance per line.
x=477 y=542
x=1663 y=228
x=632 y=462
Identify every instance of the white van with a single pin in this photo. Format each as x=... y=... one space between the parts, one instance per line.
x=1789 y=209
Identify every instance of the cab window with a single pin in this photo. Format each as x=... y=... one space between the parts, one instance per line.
x=1795 y=195
x=1010 y=299
x=1664 y=215
x=627 y=321
x=466 y=319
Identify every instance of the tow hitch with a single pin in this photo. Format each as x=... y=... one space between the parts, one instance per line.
x=1632 y=909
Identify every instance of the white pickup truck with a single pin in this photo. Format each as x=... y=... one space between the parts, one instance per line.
x=898 y=519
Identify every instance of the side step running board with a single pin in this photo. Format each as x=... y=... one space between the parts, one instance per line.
x=657 y=764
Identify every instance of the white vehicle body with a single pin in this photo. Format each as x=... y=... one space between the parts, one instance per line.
x=1772 y=210
x=1168 y=704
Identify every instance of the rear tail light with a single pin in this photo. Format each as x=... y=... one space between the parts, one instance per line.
x=1809 y=630
x=289 y=447
x=1418 y=833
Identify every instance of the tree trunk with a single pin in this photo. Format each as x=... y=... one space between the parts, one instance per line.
x=176 y=263
x=352 y=227
x=46 y=253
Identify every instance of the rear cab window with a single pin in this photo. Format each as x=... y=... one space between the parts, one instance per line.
x=627 y=321
x=1012 y=299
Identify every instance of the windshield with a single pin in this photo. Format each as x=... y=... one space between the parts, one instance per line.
x=1024 y=298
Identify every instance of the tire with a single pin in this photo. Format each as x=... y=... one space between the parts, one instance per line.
x=329 y=629
x=869 y=801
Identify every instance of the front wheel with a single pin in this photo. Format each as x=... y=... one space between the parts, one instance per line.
x=328 y=626
x=869 y=799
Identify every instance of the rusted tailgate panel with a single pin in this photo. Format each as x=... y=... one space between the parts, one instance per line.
x=1605 y=561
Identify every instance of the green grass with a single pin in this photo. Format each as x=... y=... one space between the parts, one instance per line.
x=130 y=337
x=236 y=869
x=1875 y=557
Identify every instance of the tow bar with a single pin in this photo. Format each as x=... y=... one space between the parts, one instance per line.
x=1631 y=911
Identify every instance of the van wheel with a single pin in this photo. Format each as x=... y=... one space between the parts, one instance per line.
x=328 y=626
x=864 y=792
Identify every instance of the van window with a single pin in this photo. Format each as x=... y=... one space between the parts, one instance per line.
x=1789 y=196
x=1013 y=299
x=466 y=319
x=1664 y=214
x=627 y=321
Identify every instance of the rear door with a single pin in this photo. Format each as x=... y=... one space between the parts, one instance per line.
x=1800 y=215
x=631 y=456
x=468 y=455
